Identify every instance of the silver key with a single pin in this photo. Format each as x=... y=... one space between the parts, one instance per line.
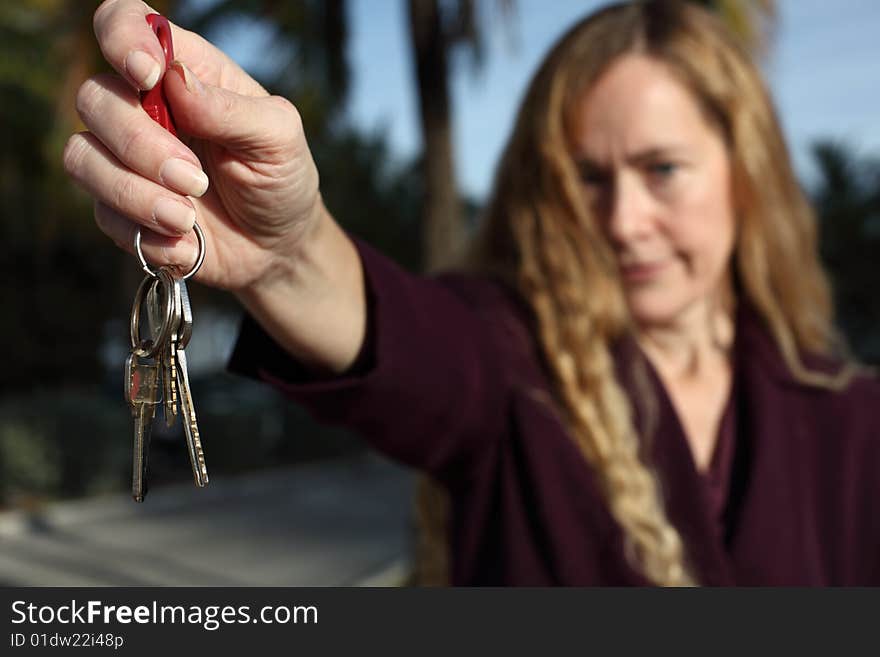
x=142 y=394
x=182 y=335
x=186 y=320
x=161 y=288
x=190 y=424
x=142 y=377
x=155 y=315
x=169 y=356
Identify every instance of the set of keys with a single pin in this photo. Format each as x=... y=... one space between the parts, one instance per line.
x=156 y=369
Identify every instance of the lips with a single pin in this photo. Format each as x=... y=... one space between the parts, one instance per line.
x=641 y=272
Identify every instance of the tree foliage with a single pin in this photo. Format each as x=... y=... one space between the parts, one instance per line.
x=847 y=199
x=753 y=21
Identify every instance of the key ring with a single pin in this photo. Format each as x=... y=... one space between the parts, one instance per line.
x=149 y=348
x=200 y=236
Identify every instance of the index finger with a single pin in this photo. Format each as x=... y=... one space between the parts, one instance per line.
x=128 y=42
x=131 y=47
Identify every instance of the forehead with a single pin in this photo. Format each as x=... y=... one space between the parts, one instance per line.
x=637 y=104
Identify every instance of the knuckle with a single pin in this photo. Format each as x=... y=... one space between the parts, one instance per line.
x=286 y=107
x=123 y=192
x=100 y=15
x=74 y=152
x=100 y=218
x=125 y=240
x=229 y=109
x=88 y=98
x=282 y=103
x=104 y=219
x=289 y=123
x=114 y=226
x=133 y=141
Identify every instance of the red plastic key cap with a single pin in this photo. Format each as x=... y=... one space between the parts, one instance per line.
x=154 y=101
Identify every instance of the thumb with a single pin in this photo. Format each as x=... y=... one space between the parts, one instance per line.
x=222 y=116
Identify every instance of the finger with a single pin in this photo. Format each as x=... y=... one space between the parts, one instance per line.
x=131 y=47
x=97 y=171
x=128 y=42
x=228 y=118
x=111 y=111
x=158 y=250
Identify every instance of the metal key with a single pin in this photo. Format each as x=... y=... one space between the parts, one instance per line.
x=185 y=328
x=142 y=394
x=182 y=333
x=142 y=374
x=165 y=287
x=169 y=373
x=161 y=288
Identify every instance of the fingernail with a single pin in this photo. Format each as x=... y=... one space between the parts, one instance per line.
x=193 y=84
x=143 y=69
x=183 y=177
x=174 y=216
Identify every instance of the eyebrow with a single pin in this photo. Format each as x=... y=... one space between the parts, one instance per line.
x=639 y=157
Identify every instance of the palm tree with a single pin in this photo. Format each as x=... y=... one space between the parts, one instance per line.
x=753 y=21
x=435 y=30
x=847 y=200
x=434 y=34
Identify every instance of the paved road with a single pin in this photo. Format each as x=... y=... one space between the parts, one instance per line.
x=322 y=524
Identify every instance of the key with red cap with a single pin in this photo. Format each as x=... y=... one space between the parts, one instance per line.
x=154 y=101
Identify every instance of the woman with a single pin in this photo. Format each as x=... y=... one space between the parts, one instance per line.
x=640 y=383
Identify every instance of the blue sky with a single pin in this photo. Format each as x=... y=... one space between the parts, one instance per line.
x=822 y=70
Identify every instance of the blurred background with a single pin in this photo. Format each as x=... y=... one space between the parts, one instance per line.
x=403 y=101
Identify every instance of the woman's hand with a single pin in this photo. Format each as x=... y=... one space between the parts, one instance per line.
x=262 y=201
x=268 y=237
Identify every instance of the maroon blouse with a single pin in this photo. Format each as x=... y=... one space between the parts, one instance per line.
x=450 y=380
x=717 y=477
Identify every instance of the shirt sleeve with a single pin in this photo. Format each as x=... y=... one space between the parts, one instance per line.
x=429 y=385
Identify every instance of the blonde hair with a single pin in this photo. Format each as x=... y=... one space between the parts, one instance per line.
x=539 y=235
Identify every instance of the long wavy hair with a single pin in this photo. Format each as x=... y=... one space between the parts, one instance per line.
x=541 y=236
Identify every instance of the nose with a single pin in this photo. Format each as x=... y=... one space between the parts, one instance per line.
x=628 y=211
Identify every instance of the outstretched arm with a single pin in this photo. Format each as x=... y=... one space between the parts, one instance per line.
x=269 y=238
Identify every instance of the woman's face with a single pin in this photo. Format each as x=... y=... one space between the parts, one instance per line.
x=657 y=175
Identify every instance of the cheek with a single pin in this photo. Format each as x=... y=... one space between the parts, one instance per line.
x=703 y=242
x=703 y=231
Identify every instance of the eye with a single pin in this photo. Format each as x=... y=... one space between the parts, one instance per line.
x=662 y=170
x=593 y=177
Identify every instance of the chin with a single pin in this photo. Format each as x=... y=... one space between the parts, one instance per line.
x=656 y=307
